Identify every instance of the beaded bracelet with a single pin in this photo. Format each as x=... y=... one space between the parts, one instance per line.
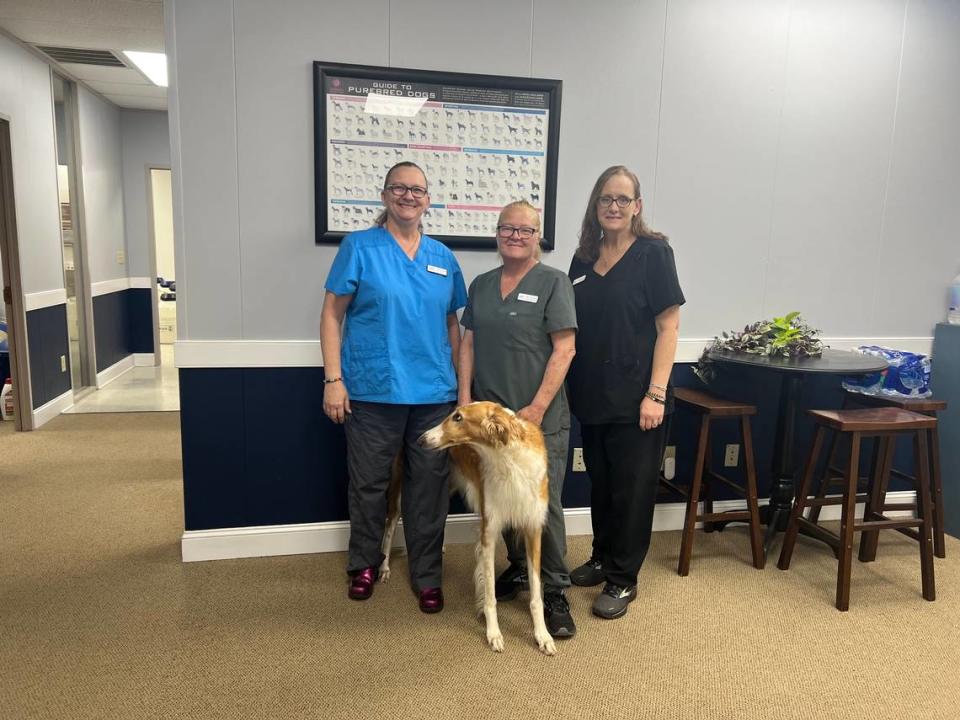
x=327 y=381
x=658 y=387
x=656 y=398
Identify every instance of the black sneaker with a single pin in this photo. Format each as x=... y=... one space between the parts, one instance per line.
x=511 y=582
x=556 y=613
x=612 y=601
x=588 y=574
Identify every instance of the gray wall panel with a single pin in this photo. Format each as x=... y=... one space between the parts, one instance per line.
x=146 y=143
x=841 y=89
x=102 y=170
x=610 y=64
x=920 y=249
x=209 y=244
x=282 y=270
x=720 y=113
x=26 y=100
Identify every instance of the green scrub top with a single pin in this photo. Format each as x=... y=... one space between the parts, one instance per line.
x=511 y=338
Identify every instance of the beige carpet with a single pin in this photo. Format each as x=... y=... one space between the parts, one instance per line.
x=100 y=619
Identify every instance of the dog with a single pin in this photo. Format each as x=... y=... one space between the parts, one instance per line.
x=499 y=463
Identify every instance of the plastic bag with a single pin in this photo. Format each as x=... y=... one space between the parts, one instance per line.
x=908 y=374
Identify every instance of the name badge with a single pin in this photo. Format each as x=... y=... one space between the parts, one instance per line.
x=523 y=297
x=579 y=279
x=437 y=270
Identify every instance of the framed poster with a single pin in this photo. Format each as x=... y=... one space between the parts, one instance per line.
x=483 y=141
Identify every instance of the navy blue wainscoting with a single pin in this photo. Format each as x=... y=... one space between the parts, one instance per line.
x=258 y=450
x=48 y=341
x=123 y=324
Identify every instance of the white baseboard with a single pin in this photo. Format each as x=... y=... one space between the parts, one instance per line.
x=114 y=371
x=46 y=412
x=268 y=540
x=145 y=360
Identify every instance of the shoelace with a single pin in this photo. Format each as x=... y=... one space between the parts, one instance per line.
x=594 y=563
x=556 y=603
x=616 y=591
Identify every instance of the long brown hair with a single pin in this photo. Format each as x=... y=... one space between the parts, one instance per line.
x=382 y=217
x=591 y=234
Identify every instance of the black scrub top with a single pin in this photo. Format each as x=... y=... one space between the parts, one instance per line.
x=616 y=317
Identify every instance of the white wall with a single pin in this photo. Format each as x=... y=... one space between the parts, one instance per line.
x=26 y=100
x=101 y=168
x=145 y=140
x=801 y=155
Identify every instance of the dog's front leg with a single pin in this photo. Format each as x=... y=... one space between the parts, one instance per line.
x=540 y=632
x=488 y=544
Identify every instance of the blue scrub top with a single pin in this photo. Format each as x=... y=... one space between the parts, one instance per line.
x=395 y=343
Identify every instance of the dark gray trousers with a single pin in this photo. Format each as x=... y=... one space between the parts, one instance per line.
x=553 y=543
x=375 y=433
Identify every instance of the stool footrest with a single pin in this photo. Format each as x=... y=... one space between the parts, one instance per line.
x=890 y=524
x=724 y=516
x=900 y=506
x=727 y=481
x=838 y=500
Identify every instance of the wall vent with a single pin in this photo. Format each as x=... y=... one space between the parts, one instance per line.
x=82 y=56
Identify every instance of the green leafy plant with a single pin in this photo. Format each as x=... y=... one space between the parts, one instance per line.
x=787 y=336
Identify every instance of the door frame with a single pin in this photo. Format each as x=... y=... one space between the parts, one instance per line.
x=155 y=294
x=17 y=318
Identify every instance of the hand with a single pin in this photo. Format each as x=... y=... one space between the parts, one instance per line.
x=531 y=413
x=336 y=402
x=651 y=414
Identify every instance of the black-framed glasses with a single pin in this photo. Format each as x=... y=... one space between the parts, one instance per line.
x=506 y=231
x=399 y=190
x=620 y=200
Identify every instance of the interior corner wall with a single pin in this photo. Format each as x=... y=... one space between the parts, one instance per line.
x=101 y=168
x=145 y=138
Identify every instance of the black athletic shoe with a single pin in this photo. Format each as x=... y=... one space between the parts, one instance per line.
x=556 y=613
x=612 y=601
x=588 y=574
x=511 y=582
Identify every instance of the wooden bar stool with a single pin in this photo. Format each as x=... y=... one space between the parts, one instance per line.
x=833 y=474
x=712 y=408
x=885 y=423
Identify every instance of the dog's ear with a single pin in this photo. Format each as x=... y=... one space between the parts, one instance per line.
x=495 y=428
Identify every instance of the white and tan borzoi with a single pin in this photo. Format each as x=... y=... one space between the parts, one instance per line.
x=500 y=465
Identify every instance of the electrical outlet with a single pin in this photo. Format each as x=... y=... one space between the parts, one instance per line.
x=732 y=457
x=63 y=363
x=670 y=462
x=578 y=464
x=120 y=257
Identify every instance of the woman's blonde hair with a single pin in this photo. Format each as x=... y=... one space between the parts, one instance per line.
x=382 y=217
x=532 y=211
x=591 y=234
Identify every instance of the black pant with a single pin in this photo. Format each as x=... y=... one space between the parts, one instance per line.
x=623 y=462
x=375 y=433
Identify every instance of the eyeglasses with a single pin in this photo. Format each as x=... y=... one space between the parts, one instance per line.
x=398 y=190
x=506 y=231
x=620 y=200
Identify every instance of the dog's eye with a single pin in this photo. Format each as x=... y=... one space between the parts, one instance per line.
x=457 y=417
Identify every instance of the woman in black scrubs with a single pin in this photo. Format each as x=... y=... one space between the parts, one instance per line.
x=628 y=311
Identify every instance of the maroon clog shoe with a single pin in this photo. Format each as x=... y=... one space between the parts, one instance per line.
x=361 y=584
x=431 y=600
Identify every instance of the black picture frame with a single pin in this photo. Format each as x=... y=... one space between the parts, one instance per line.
x=368 y=118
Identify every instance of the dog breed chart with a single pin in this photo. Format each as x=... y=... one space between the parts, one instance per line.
x=480 y=148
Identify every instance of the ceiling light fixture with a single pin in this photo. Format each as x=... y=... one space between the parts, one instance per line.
x=151 y=64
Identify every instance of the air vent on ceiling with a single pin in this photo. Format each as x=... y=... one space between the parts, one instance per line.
x=82 y=56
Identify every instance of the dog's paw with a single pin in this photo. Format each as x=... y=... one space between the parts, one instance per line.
x=384 y=573
x=495 y=641
x=546 y=645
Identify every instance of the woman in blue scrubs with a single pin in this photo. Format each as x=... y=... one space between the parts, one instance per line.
x=389 y=335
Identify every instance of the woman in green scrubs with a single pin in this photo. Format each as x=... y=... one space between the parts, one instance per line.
x=520 y=333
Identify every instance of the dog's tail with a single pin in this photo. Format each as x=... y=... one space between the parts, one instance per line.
x=478 y=579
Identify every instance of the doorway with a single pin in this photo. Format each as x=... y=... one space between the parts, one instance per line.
x=82 y=376
x=165 y=278
x=14 y=358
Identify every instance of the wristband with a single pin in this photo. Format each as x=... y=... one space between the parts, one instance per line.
x=327 y=381
x=658 y=387
x=655 y=398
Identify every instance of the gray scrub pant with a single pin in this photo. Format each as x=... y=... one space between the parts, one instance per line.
x=553 y=543
x=375 y=433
